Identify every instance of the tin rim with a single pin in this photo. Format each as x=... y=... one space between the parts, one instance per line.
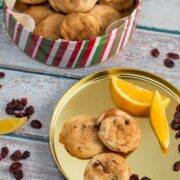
x=124 y=72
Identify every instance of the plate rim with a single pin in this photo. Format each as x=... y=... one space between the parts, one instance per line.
x=107 y=72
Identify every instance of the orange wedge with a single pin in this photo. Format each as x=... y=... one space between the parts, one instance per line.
x=11 y=125
x=131 y=98
x=159 y=122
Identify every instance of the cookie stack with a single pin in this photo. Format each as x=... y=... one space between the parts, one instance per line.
x=106 y=139
x=74 y=20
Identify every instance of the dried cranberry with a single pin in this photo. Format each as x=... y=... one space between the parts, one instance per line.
x=2 y=74
x=177 y=116
x=25 y=155
x=178 y=108
x=169 y=63
x=134 y=177
x=145 y=178
x=12 y=104
x=4 y=152
x=9 y=110
x=18 y=174
x=24 y=101
x=179 y=147
x=16 y=156
x=29 y=110
x=176 y=166
x=19 y=106
x=177 y=135
x=15 y=166
x=36 y=124
x=172 y=55
x=155 y=52
x=175 y=125
x=20 y=115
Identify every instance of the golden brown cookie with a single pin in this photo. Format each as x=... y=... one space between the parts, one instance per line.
x=49 y=27
x=32 y=1
x=70 y=6
x=53 y=5
x=38 y=13
x=116 y=4
x=118 y=131
x=107 y=166
x=105 y=15
x=21 y=6
x=79 y=26
x=80 y=138
x=128 y=12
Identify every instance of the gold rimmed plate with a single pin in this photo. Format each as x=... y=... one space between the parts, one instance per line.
x=91 y=96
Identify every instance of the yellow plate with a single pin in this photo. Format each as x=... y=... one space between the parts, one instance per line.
x=91 y=96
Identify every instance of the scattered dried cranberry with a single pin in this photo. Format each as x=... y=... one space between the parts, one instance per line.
x=178 y=108
x=20 y=115
x=176 y=166
x=15 y=166
x=155 y=52
x=16 y=156
x=177 y=116
x=18 y=174
x=169 y=63
x=2 y=74
x=29 y=110
x=25 y=155
x=177 y=135
x=12 y=104
x=172 y=55
x=134 y=177
x=24 y=101
x=4 y=152
x=145 y=178
x=9 y=110
x=175 y=125
x=19 y=106
x=36 y=124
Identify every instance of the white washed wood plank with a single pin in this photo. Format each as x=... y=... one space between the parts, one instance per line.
x=40 y=165
x=43 y=92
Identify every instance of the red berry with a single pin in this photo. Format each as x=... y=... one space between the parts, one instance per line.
x=177 y=135
x=175 y=125
x=134 y=177
x=15 y=166
x=9 y=110
x=178 y=108
x=4 y=152
x=2 y=74
x=172 y=55
x=176 y=166
x=20 y=115
x=29 y=110
x=25 y=155
x=36 y=124
x=155 y=52
x=16 y=156
x=19 y=106
x=169 y=63
x=145 y=178
x=177 y=116
x=12 y=104
x=24 y=101
x=18 y=174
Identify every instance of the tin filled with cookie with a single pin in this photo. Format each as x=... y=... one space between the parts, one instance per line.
x=80 y=38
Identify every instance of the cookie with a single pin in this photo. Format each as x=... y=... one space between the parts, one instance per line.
x=70 y=6
x=49 y=27
x=119 y=131
x=53 y=5
x=38 y=13
x=107 y=166
x=32 y=1
x=116 y=4
x=80 y=138
x=21 y=7
x=105 y=15
x=79 y=26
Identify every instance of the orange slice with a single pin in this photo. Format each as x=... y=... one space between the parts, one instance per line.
x=11 y=125
x=159 y=122
x=131 y=98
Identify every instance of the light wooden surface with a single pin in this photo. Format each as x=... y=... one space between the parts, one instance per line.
x=159 y=26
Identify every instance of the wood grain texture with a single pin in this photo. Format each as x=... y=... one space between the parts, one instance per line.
x=40 y=165
x=43 y=92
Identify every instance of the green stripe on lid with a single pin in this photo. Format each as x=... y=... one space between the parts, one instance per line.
x=28 y=41
x=12 y=24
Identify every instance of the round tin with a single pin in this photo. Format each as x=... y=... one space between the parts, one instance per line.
x=91 y=96
x=70 y=54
